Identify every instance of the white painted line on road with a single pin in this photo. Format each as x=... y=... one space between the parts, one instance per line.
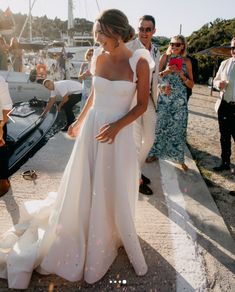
x=190 y=272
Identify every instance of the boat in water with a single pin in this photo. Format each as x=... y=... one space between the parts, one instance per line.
x=26 y=128
x=23 y=85
x=61 y=61
x=21 y=88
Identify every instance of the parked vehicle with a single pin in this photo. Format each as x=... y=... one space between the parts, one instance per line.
x=27 y=127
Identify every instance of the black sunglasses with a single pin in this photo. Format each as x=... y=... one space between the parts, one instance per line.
x=145 y=29
x=176 y=44
x=232 y=48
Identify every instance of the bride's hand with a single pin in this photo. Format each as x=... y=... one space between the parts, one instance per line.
x=108 y=132
x=73 y=129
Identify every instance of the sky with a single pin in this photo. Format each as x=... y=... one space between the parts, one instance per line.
x=169 y=14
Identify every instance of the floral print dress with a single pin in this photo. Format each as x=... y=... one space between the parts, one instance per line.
x=172 y=118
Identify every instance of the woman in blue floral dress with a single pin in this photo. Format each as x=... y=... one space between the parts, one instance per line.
x=172 y=109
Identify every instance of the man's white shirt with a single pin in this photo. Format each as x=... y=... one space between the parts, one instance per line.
x=136 y=44
x=66 y=87
x=229 y=69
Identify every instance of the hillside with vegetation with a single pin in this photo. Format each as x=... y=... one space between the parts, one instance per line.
x=216 y=33
x=49 y=29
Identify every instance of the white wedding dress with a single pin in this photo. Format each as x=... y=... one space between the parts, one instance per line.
x=76 y=233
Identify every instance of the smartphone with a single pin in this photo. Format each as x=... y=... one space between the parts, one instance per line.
x=176 y=61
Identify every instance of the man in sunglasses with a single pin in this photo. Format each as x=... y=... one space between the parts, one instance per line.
x=145 y=126
x=225 y=106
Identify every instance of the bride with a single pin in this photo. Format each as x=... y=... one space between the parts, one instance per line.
x=77 y=234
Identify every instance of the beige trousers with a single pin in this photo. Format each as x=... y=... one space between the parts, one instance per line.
x=144 y=133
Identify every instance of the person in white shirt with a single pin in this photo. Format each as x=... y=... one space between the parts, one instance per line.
x=70 y=91
x=225 y=106
x=5 y=108
x=145 y=125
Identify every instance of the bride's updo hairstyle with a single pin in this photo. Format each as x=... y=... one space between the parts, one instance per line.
x=114 y=24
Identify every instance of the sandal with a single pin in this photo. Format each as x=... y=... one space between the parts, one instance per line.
x=29 y=174
x=150 y=159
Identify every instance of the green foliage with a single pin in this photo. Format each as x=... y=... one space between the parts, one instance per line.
x=205 y=68
x=49 y=29
x=160 y=41
x=216 y=33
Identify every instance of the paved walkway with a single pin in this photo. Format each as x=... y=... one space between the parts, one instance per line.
x=185 y=240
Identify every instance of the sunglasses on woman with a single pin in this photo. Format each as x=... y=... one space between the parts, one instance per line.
x=176 y=44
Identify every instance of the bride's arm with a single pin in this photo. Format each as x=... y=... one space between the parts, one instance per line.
x=109 y=131
x=74 y=128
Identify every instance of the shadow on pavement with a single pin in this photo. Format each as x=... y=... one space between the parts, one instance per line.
x=203 y=158
x=202 y=115
x=161 y=276
x=215 y=241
